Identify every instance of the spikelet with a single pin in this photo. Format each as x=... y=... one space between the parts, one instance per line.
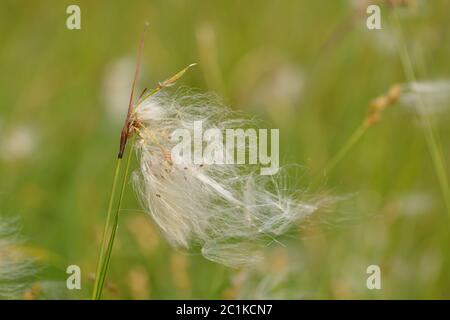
x=435 y=95
x=379 y=104
x=228 y=210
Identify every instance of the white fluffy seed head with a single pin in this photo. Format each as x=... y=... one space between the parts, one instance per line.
x=427 y=97
x=15 y=269
x=229 y=210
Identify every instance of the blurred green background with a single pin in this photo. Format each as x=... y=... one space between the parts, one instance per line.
x=310 y=68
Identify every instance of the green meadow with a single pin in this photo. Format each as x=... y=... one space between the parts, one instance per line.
x=310 y=68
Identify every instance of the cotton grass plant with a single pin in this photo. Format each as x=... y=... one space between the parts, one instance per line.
x=424 y=98
x=226 y=209
x=16 y=269
x=435 y=94
x=230 y=211
x=421 y=96
x=432 y=140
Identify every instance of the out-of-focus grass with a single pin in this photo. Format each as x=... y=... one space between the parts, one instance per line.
x=264 y=57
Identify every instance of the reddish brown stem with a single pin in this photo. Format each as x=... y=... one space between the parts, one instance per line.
x=126 y=127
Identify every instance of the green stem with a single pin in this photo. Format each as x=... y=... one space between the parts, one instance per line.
x=105 y=257
x=112 y=222
x=354 y=138
x=433 y=144
x=106 y=228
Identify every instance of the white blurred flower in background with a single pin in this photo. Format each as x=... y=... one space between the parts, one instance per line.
x=116 y=87
x=280 y=88
x=269 y=84
x=434 y=94
x=18 y=142
x=415 y=203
